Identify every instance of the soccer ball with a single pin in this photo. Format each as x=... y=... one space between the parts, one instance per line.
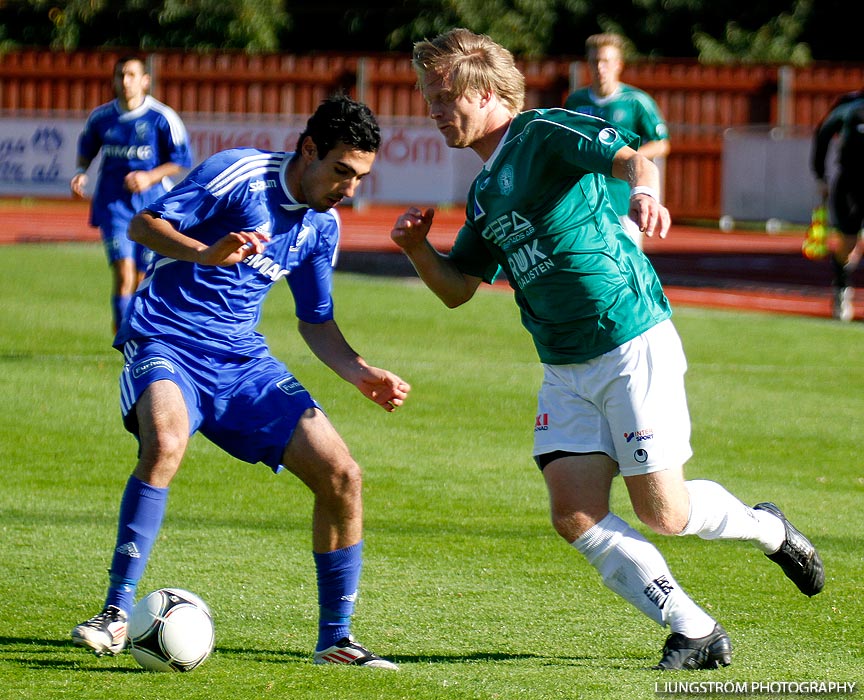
x=171 y=630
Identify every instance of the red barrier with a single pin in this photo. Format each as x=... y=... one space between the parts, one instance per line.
x=698 y=101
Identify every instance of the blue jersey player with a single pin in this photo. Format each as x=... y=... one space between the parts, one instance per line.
x=238 y=224
x=143 y=144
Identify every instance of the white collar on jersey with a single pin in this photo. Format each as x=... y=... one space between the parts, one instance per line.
x=488 y=164
x=126 y=115
x=293 y=205
x=598 y=100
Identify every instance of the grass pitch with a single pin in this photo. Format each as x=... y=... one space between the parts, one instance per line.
x=465 y=583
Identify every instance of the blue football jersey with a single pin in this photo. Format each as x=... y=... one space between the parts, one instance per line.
x=217 y=308
x=140 y=139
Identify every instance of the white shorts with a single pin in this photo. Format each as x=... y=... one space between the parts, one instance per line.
x=632 y=229
x=629 y=404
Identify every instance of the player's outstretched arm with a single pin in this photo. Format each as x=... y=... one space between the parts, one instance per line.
x=329 y=345
x=652 y=150
x=410 y=233
x=159 y=235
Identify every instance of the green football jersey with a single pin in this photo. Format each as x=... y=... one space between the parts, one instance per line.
x=630 y=108
x=539 y=213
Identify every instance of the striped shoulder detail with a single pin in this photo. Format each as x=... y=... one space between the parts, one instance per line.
x=175 y=124
x=244 y=169
x=541 y=119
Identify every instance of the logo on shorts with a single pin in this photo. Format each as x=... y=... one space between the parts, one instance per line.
x=641 y=456
x=290 y=386
x=149 y=365
x=640 y=435
x=541 y=422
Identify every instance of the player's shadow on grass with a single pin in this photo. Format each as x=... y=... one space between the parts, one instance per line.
x=43 y=654
x=266 y=656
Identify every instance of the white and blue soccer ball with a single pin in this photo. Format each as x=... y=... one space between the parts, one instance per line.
x=171 y=630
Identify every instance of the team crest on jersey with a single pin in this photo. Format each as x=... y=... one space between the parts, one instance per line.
x=304 y=233
x=505 y=179
x=142 y=130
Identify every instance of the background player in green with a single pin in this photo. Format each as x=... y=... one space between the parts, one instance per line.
x=623 y=105
x=612 y=399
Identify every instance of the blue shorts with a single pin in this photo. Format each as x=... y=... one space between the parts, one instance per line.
x=249 y=407
x=116 y=240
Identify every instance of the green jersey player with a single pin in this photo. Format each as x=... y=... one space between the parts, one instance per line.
x=623 y=105
x=612 y=399
x=544 y=239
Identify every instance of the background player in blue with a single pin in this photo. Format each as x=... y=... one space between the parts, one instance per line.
x=235 y=226
x=143 y=143
x=612 y=400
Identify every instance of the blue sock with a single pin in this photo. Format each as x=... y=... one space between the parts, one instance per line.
x=119 y=304
x=141 y=511
x=338 y=577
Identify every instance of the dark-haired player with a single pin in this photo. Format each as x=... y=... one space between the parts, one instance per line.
x=238 y=224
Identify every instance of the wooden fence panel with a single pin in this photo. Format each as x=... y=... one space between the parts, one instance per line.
x=817 y=87
x=237 y=83
x=699 y=102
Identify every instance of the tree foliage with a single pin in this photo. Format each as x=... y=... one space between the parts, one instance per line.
x=774 y=42
x=251 y=25
x=524 y=26
x=787 y=31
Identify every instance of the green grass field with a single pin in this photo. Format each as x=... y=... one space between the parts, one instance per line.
x=465 y=583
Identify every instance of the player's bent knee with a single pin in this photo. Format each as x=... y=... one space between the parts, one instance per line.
x=664 y=522
x=571 y=526
x=344 y=480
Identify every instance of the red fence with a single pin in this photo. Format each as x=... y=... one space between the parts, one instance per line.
x=699 y=102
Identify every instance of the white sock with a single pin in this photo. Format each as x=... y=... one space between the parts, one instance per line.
x=715 y=514
x=633 y=568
